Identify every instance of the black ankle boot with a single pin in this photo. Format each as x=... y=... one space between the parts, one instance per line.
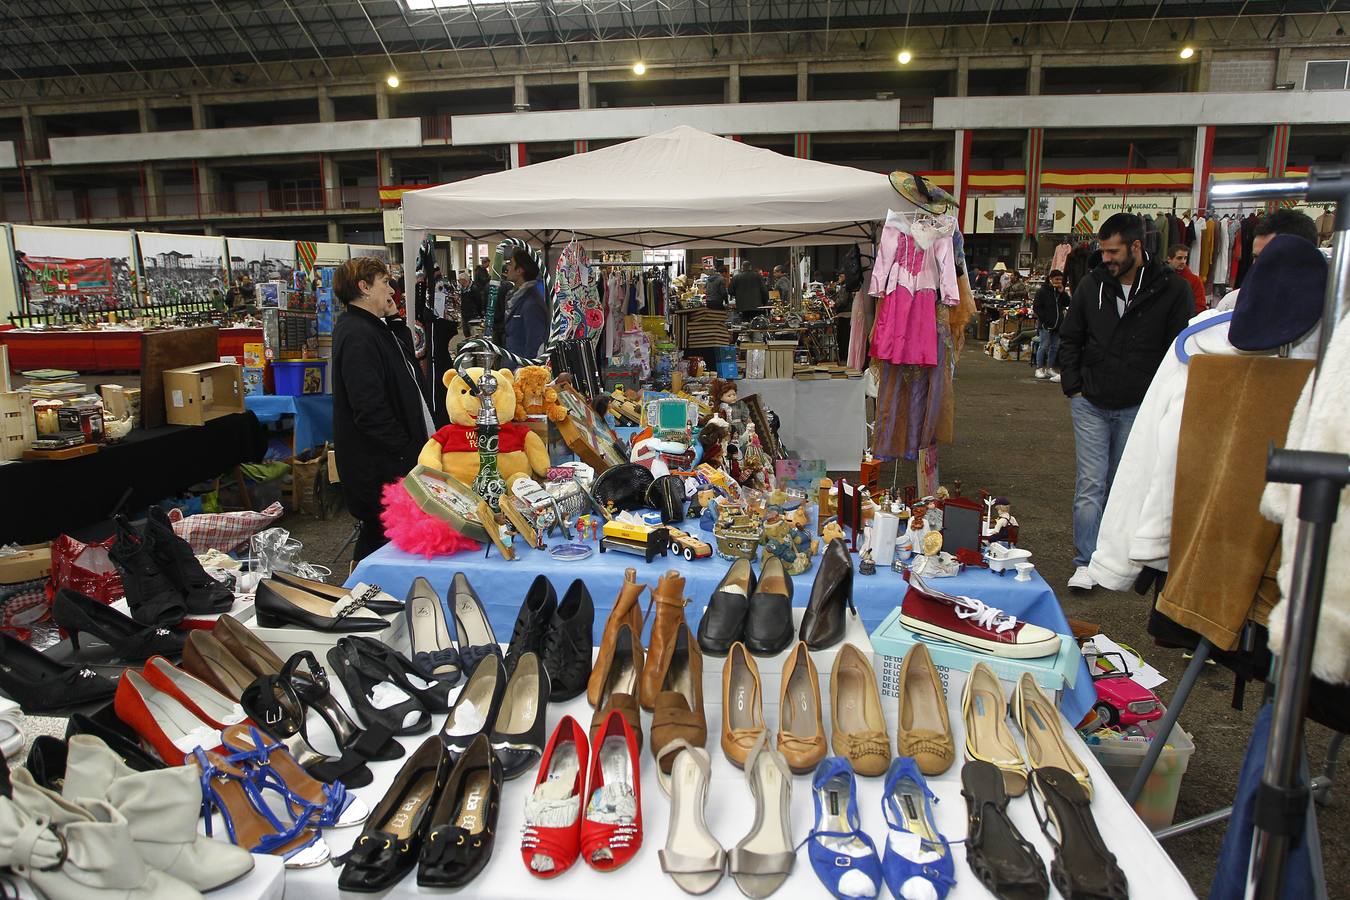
x=202 y=593
x=567 y=651
x=152 y=596
x=537 y=611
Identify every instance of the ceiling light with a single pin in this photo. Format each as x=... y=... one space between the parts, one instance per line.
x=392 y=81
x=1187 y=52
x=639 y=68
x=904 y=57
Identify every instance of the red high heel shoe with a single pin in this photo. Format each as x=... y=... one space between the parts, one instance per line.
x=552 y=837
x=161 y=720
x=204 y=701
x=611 y=827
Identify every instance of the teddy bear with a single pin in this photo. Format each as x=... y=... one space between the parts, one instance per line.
x=454 y=448
x=535 y=395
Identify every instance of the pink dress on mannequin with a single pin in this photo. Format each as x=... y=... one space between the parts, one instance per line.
x=913 y=270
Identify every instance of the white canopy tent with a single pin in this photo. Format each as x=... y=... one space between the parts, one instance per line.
x=678 y=188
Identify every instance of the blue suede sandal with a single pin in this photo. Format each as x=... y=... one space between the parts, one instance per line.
x=845 y=859
x=917 y=862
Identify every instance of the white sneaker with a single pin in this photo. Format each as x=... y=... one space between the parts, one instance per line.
x=1081 y=580
x=1054 y=376
x=1040 y=373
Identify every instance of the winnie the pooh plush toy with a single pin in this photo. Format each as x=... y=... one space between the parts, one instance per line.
x=454 y=448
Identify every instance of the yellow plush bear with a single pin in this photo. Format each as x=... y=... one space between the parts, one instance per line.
x=454 y=449
x=535 y=395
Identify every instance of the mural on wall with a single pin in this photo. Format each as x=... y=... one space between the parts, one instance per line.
x=262 y=260
x=72 y=270
x=182 y=268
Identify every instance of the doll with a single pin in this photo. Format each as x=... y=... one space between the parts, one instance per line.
x=715 y=439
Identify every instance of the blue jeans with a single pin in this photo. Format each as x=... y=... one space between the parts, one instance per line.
x=1099 y=437
x=1047 y=352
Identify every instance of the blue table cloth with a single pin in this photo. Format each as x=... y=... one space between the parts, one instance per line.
x=313 y=416
x=501 y=585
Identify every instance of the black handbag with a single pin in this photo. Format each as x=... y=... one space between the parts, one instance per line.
x=666 y=496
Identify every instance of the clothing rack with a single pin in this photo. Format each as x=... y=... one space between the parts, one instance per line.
x=1282 y=810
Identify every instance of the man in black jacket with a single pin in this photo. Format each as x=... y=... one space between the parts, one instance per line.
x=1050 y=306
x=380 y=418
x=1122 y=320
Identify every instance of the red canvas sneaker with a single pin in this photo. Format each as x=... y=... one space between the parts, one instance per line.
x=973 y=624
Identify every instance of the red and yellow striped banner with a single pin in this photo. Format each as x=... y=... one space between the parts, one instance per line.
x=1165 y=180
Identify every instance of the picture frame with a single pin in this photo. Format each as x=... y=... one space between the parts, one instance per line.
x=767 y=437
x=587 y=435
x=962 y=524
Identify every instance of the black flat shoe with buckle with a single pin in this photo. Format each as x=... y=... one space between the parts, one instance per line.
x=464 y=821
x=391 y=844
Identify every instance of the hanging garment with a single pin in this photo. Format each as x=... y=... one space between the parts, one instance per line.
x=1152 y=239
x=1319 y=423
x=1223 y=251
x=578 y=314
x=1207 y=248
x=1061 y=257
x=616 y=299
x=1245 y=263
x=860 y=326
x=913 y=401
x=1080 y=263
x=915 y=269
x=1235 y=252
x=1220 y=545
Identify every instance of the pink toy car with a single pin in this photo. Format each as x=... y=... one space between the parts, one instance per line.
x=1121 y=701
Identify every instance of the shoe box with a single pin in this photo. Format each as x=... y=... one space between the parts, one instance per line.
x=891 y=641
x=771 y=667
x=289 y=640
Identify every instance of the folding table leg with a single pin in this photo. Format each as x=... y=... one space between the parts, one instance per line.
x=1169 y=719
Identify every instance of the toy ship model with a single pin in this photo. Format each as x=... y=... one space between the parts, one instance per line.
x=738 y=536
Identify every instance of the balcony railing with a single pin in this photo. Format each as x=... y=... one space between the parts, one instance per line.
x=436 y=128
x=916 y=110
x=181 y=205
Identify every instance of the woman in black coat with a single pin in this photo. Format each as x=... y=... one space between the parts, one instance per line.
x=380 y=418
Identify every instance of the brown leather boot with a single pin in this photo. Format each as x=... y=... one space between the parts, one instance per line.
x=625 y=612
x=669 y=599
x=679 y=712
x=620 y=687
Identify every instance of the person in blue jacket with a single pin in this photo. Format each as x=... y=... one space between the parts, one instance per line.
x=527 y=310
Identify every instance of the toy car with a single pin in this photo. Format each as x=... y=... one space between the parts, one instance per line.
x=1121 y=701
x=687 y=545
x=629 y=537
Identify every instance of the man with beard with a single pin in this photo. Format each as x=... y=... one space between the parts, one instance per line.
x=1123 y=317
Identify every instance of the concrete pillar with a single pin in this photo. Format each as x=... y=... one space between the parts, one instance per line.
x=521 y=96
x=34 y=134
x=1200 y=76
x=1282 y=67
x=384 y=166
x=326 y=111
x=803 y=82
x=334 y=233
x=1200 y=169
x=962 y=76
x=1034 y=75
x=332 y=184
x=153 y=183
x=734 y=83
x=208 y=185
x=381 y=101
x=584 y=90
x=146 y=114
x=201 y=116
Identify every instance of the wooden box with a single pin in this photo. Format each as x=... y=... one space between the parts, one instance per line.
x=120 y=401
x=17 y=427
x=194 y=395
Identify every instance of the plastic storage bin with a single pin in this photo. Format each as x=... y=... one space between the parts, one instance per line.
x=1157 y=805
x=294 y=377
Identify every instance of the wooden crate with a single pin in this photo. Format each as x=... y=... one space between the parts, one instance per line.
x=17 y=428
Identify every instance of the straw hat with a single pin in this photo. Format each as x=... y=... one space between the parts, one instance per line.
x=921 y=193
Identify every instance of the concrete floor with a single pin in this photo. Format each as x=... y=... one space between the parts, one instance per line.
x=1015 y=438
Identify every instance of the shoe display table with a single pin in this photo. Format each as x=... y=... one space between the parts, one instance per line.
x=730 y=816
x=502 y=585
x=820 y=419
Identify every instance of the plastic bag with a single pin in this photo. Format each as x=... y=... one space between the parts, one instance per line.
x=86 y=568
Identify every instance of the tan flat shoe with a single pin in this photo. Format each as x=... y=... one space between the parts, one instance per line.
x=801 y=732
x=984 y=713
x=925 y=731
x=1039 y=722
x=742 y=705
x=858 y=729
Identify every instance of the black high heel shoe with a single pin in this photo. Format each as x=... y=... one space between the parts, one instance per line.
x=402 y=671
x=360 y=675
x=129 y=639
x=152 y=596
x=476 y=637
x=311 y=686
x=272 y=704
x=202 y=593
x=39 y=683
x=47 y=762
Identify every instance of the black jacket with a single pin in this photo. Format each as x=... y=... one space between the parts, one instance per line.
x=378 y=426
x=716 y=291
x=1111 y=359
x=749 y=292
x=1050 y=306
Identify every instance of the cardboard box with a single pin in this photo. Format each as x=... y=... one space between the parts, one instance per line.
x=120 y=402
x=33 y=563
x=194 y=395
x=891 y=641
